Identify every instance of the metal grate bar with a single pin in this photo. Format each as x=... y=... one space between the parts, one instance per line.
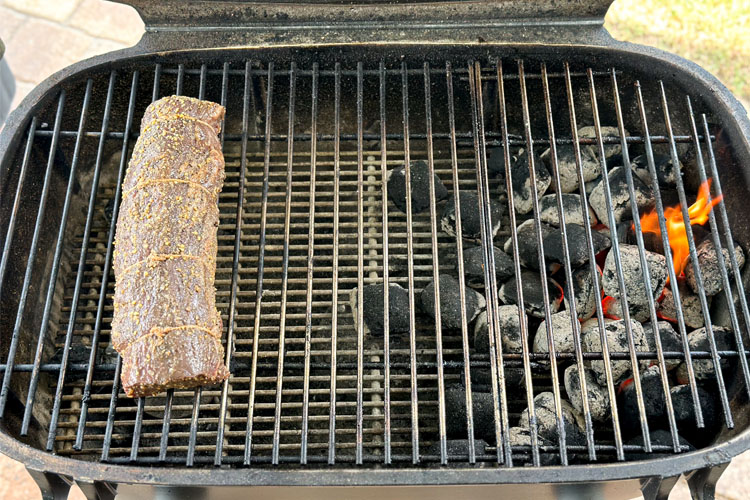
x=645 y=269
x=261 y=243
x=615 y=249
x=410 y=268
x=696 y=267
x=310 y=267
x=575 y=325
x=561 y=434
x=32 y=256
x=335 y=266
x=360 y=265
x=284 y=266
x=718 y=249
x=233 y=287
x=500 y=406
x=593 y=267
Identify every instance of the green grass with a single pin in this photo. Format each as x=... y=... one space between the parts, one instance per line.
x=712 y=33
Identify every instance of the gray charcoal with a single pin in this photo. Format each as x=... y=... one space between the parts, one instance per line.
x=691 y=307
x=665 y=171
x=578 y=252
x=566 y=166
x=420 y=186
x=591 y=185
x=684 y=409
x=611 y=149
x=620 y=197
x=496 y=161
x=544 y=404
x=598 y=397
x=571 y=207
x=458 y=449
x=710 y=270
x=510 y=330
x=521 y=436
x=654 y=402
x=638 y=312
x=474 y=266
x=483 y=413
x=522 y=192
x=585 y=293
x=450 y=302
x=617 y=341
x=633 y=274
x=658 y=437
x=373 y=302
x=533 y=297
x=562 y=334
x=670 y=341
x=698 y=341
x=720 y=306
x=481 y=377
x=470 y=217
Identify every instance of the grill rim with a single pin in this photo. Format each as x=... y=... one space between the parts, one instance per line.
x=700 y=82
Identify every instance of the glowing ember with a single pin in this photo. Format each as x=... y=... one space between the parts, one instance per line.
x=678 y=241
x=607 y=303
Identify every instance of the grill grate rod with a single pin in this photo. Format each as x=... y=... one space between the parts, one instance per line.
x=504 y=454
x=360 y=265
x=32 y=255
x=284 y=268
x=718 y=250
x=615 y=250
x=696 y=267
x=727 y=233
x=575 y=324
x=410 y=268
x=261 y=242
x=561 y=434
x=460 y=261
x=645 y=269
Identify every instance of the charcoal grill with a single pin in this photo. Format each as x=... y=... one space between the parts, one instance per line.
x=322 y=100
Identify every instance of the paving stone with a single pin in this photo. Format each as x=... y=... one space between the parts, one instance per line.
x=101 y=46
x=108 y=20
x=54 y=10
x=11 y=21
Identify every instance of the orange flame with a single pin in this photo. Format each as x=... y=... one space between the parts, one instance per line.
x=678 y=241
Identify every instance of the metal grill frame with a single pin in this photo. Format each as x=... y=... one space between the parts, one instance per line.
x=738 y=129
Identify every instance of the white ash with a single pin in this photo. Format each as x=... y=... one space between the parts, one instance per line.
x=709 y=265
x=617 y=341
x=635 y=286
x=510 y=330
x=552 y=242
x=598 y=397
x=670 y=341
x=572 y=209
x=450 y=302
x=470 y=218
x=620 y=197
x=566 y=166
x=562 y=334
x=610 y=149
x=637 y=312
x=521 y=182
x=690 y=306
x=720 y=305
x=533 y=297
x=666 y=174
x=420 y=186
x=474 y=265
x=585 y=293
x=698 y=341
x=544 y=404
x=591 y=185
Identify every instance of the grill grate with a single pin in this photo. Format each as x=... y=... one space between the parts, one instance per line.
x=305 y=220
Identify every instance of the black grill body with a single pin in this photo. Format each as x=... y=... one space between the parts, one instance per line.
x=314 y=121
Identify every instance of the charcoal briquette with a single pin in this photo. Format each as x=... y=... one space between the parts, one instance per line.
x=450 y=302
x=620 y=197
x=459 y=448
x=692 y=313
x=666 y=173
x=562 y=334
x=546 y=415
x=598 y=397
x=585 y=292
x=522 y=191
x=709 y=265
x=471 y=226
x=654 y=401
x=617 y=341
x=474 y=266
x=658 y=437
x=566 y=166
x=670 y=341
x=698 y=341
x=684 y=408
x=373 y=303
x=420 y=186
x=610 y=149
x=521 y=437
x=638 y=312
x=510 y=330
x=533 y=298
x=483 y=413
x=633 y=275
x=572 y=209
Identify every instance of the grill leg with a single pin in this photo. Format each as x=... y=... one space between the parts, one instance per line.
x=658 y=488
x=53 y=486
x=702 y=482
x=98 y=490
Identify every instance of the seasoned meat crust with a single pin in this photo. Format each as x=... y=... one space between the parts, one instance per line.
x=165 y=324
